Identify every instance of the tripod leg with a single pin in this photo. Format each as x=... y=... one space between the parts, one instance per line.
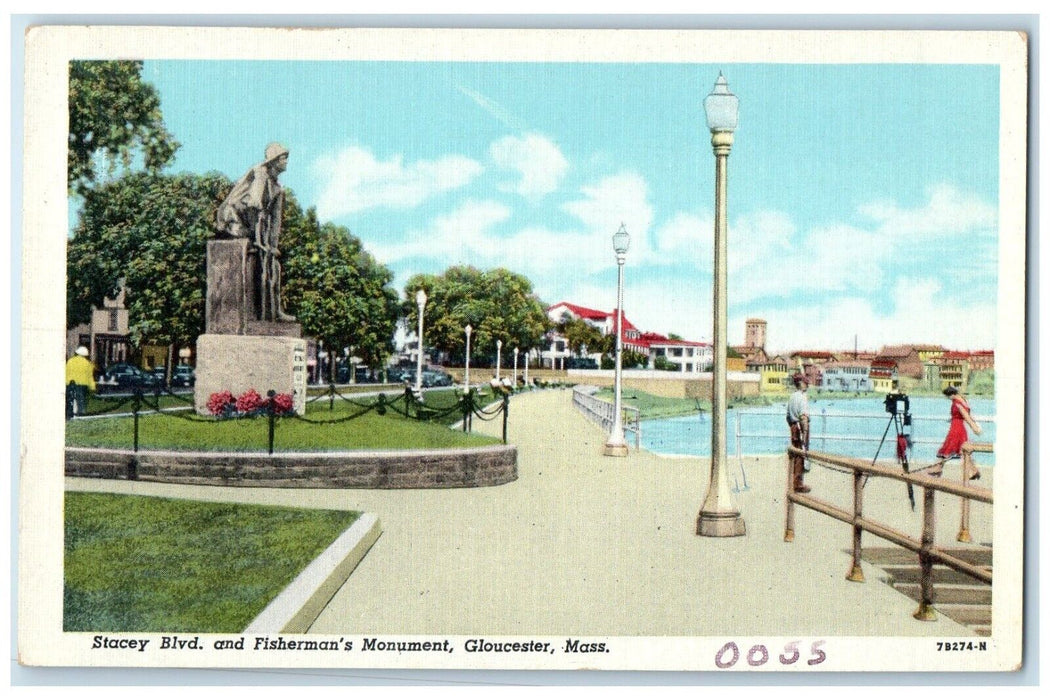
x=902 y=456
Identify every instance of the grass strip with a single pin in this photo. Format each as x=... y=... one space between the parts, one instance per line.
x=146 y=564
x=368 y=432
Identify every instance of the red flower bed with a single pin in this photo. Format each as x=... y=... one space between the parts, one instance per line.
x=250 y=403
x=220 y=402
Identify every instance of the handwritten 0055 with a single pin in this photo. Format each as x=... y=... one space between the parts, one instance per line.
x=758 y=655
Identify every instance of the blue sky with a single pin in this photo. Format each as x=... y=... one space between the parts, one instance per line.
x=863 y=199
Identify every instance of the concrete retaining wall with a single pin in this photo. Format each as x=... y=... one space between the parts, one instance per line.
x=673 y=385
x=400 y=469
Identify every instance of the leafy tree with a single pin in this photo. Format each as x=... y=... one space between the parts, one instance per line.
x=579 y=334
x=149 y=232
x=498 y=305
x=113 y=113
x=664 y=365
x=634 y=360
x=335 y=288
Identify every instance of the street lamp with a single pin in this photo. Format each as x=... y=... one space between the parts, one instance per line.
x=718 y=517
x=421 y=301
x=515 y=382
x=466 y=373
x=616 y=445
x=499 y=347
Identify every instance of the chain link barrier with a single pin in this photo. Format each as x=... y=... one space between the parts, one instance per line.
x=409 y=405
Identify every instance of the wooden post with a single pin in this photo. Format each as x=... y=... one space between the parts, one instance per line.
x=964 y=517
x=925 y=611
x=856 y=573
x=789 y=525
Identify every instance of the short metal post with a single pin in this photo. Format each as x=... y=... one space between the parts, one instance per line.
x=856 y=573
x=136 y=407
x=789 y=525
x=925 y=611
x=506 y=409
x=271 y=415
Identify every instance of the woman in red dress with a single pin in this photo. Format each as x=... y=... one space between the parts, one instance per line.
x=957 y=430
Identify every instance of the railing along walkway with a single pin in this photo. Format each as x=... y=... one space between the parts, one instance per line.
x=602 y=412
x=929 y=553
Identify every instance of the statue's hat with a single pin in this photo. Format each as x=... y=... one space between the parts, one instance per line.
x=275 y=151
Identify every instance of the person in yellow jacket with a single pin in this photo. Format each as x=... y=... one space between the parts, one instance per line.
x=80 y=379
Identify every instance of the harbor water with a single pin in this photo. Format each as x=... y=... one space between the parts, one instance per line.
x=857 y=427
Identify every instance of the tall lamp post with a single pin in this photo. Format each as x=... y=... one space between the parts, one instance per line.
x=515 y=377
x=466 y=373
x=616 y=445
x=421 y=301
x=499 y=348
x=718 y=517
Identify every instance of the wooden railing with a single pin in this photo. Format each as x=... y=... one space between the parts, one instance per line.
x=925 y=547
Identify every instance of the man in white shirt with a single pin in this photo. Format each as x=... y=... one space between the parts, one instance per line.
x=798 y=422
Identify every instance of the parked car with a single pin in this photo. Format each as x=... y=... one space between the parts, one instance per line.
x=581 y=363
x=342 y=374
x=183 y=376
x=436 y=378
x=125 y=377
x=364 y=375
x=160 y=374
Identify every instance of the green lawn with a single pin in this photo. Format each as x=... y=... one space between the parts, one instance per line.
x=185 y=430
x=142 y=564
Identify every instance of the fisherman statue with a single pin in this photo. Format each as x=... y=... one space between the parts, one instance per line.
x=254 y=209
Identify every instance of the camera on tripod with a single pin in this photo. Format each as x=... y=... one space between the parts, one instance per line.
x=898 y=405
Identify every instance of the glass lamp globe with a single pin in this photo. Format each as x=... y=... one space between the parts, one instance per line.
x=722 y=107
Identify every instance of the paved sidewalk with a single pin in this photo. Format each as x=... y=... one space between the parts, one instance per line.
x=588 y=545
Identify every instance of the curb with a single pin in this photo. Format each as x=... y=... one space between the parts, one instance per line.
x=298 y=605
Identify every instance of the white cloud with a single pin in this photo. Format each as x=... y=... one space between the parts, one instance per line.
x=916 y=312
x=948 y=211
x=612 y=201
x=686 y=237
x=354 y=180
x=464 y=234
x=538 y=161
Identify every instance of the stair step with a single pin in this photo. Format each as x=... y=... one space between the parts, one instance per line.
x=897 y=555
x=966 y=614
x=966 y=595
x=942 y=575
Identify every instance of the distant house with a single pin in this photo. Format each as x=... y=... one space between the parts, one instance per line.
x=883 y=375
x=557 y=352
x=689 y=356
x=982 y=360
x=947 y=369
x=774 y=376
x=847 y=375
x=811 y=357
x=910 y=358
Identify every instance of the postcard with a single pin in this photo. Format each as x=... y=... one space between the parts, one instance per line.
x=523 y=349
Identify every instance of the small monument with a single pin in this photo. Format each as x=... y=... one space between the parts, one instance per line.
x=249 y=342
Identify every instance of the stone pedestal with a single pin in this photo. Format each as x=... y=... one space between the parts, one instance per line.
x=236 y=363
x=232 y=304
